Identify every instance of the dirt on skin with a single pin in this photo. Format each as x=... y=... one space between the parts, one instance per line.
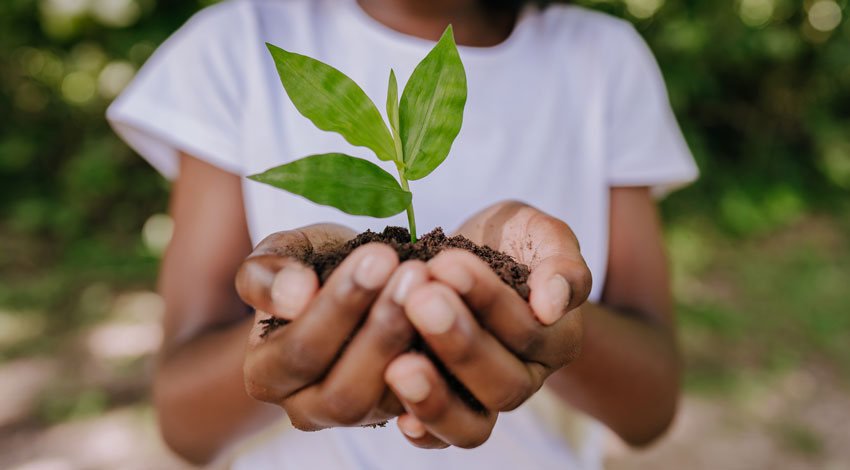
x=428 y=246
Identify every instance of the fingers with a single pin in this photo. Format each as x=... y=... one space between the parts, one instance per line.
x=353 y=391
x=558 y=284
x=292 y=289
x=302 y=351
x=497 y=306
x=424 y=394
x=415 y=432
x=546 y=244
x=494 y=375
x=277 y=285
x=389 y=406
x=274 y=281
x=555 y=252
x=503 y=313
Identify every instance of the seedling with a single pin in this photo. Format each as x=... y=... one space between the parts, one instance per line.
x=422 y=127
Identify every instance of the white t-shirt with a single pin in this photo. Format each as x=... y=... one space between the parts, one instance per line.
x=569 y=105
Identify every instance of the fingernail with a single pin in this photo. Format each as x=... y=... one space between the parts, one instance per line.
x=559 y=295
x=402 y=288
x=434 y=316
x=459 y=278
x=411 y=427
x=412 y=387
x=289 y=291
x=373 y=272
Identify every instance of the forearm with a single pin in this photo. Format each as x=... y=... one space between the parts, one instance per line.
x=627 y=375
x=200 y=397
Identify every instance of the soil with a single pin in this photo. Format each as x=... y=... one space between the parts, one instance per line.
x=429 y=245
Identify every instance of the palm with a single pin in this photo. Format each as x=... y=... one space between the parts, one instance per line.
x=521 y=231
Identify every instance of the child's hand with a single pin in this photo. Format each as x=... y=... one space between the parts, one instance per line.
x=299 y=366
x=499 y=346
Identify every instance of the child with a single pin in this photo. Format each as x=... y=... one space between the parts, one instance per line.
x=566 y=112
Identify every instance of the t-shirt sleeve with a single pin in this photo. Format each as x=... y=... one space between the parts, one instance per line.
x=187 y=97
x=645 y=145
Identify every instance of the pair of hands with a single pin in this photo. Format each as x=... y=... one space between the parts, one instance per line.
x=345 y=359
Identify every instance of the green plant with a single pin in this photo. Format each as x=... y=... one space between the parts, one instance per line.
x=422 y=127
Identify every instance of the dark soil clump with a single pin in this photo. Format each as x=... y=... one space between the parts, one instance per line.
x=429 y=245
x=513 y=273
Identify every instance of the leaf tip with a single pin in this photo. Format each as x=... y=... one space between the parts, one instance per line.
x=449 y=34
x=277 y=51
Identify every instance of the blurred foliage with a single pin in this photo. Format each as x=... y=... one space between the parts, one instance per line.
x=756 y=308
x=73 y=197
x=762 y=96
x=761 y=89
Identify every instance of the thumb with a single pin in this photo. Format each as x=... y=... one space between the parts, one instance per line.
x=558 y=284
x=273 y=280
x=280 y=286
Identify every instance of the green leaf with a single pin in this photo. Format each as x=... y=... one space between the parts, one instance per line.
x=431 y=108
x=392 y=115
x=350 y=184
x=392 y=101
x=333 y=101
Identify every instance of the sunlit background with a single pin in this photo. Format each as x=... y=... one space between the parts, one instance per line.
x=760 y=246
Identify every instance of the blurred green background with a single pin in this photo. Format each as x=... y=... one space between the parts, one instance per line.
x=760 y=246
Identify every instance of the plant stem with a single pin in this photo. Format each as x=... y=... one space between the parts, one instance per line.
x=411 y=221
